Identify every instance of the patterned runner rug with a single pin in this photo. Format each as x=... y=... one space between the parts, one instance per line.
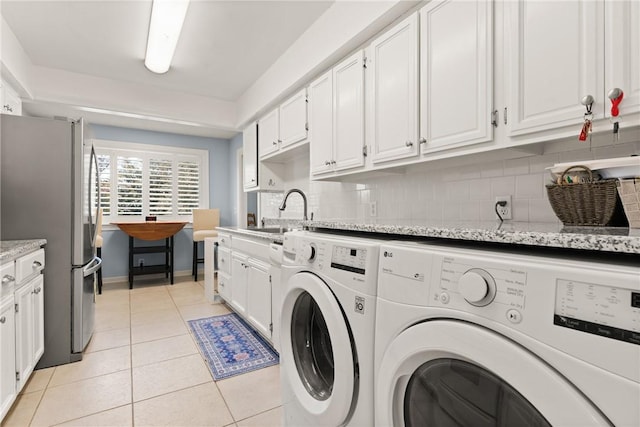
x=230 y=346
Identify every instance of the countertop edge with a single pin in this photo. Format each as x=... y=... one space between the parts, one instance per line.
x=10 y=250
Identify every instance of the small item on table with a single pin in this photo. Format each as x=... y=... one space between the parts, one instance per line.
x=150 y=218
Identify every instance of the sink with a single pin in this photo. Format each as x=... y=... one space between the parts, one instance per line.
x=275 y=230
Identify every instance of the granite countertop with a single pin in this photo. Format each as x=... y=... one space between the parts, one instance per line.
x=606 y=239
x=12 y=249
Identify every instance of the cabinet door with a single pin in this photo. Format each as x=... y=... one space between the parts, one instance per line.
x=392 y=96
x=24 y=333
x=348 y=112
x=7 y=355
x=456 y=73
x=553 y=58
x=293 y=119
x=250 y=156
x=259 y=297
x=321 y=124
x=622 y=55
x=38 y=318
x=239 y=275
x=268 y=133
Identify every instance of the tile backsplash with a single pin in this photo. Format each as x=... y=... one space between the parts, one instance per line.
x=454 y=189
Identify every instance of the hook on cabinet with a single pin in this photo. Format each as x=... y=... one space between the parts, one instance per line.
x=588 y=101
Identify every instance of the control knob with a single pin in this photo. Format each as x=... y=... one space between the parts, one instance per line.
x=477 y=287
x=308 y=252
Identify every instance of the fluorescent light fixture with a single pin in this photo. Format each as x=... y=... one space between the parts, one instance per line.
x=167 y=17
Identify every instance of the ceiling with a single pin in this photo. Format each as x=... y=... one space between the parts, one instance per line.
x=224 y=46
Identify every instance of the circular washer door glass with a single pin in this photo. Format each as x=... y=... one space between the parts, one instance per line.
x=452 y=392
x=311 y=346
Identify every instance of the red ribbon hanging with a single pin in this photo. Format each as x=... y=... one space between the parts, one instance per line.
x=614 y=105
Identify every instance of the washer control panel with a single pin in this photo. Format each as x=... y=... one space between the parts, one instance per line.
x=483 y=286
x=598 y=309
x=349 y=259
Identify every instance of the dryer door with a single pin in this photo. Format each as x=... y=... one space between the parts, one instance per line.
x=317 y=351
x=452 y=373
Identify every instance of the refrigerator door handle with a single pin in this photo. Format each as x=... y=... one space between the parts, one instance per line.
x=92 y=267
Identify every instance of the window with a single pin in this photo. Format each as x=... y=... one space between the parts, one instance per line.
x=136 y=180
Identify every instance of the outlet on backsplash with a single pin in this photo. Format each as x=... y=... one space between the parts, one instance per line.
x=373 y=209
x=504 y=207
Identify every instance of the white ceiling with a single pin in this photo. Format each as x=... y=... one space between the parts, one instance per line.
x=224 y=47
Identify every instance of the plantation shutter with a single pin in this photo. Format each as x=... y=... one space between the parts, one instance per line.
x=104 y=183
x=188 y=187
x=129 y=186
x=160 y=187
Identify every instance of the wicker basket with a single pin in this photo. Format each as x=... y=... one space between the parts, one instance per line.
x=629 y=190
x=591 y=203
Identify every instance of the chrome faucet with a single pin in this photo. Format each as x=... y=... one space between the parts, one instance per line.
x=304 y=199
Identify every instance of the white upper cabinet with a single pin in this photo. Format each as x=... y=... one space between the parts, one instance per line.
x=258 y=176
x=348 y=113
x=268 y=133
x=392 y=92
x=10 y=102
x=250 y=156
x=456 y=74
x=553 y=58
x=622 y=55
x=293 y=119
x=321 y=124
x=336 y=116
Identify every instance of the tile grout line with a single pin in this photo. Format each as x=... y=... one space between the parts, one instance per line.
x=133 y=422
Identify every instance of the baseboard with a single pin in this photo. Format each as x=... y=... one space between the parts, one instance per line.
x=120 y=279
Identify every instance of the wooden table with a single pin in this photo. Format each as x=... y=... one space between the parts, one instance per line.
x=151 y=231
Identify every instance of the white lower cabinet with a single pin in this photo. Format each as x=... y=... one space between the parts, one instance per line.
x=245 y=282
x=259 y=296
x=21 y=324
x=239 y=275
x=8 y=389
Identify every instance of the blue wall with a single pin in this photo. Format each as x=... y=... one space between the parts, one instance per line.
x=115 y=249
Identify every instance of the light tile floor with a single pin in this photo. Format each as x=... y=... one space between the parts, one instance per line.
x=142 y=368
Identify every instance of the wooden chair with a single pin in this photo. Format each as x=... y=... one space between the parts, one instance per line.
x=99 y=241
x=205 y=222
x=251 y=220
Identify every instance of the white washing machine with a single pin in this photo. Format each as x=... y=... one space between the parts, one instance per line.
x=327 y=329
x=468 y=337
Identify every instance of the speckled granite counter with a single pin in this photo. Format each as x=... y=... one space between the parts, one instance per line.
x=606 y=239
x=12 y=249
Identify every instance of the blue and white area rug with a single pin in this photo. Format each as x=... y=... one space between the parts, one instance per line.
x=230 y=346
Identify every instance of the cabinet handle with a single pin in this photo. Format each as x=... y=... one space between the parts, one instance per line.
x=221 y=284
x=222 y=240
x=8 y=108
x=327 y=163
x=423 y=141
x=221 y=259
x=253 y=180
x=333 y=162
x=7 y=279
x=274 y=143
x=37 y=291
x=36 y=264
x=279 y=140
x=3 y=319
x=409 y=144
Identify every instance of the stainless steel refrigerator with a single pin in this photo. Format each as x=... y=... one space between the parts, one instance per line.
x=48 y=171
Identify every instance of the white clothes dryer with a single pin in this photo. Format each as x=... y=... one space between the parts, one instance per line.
x=327 y=329
x=468 y=337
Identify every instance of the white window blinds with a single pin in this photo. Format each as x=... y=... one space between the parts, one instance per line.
x=136 y=180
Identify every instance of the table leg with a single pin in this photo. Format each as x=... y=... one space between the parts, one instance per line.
x=171 y=255
x=166 y=257
x=130 y=262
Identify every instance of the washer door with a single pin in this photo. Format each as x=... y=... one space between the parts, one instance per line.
x=451 y=373
x=317 y=354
